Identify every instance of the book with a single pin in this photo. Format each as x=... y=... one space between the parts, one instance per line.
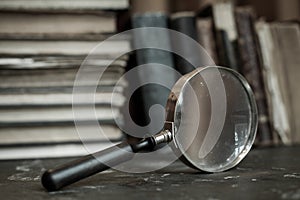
x=20 y=25
x=60 y=99
x=250 y=67
x=152 y=14
x=185 y=22
x=206 y=37
x=56 y=134
x=286 y=37
x=62 y=5
x=62 y=48
x=47 y=114
x=275 y=83
x=226 y=34
x=64 y=77
x=52 y=150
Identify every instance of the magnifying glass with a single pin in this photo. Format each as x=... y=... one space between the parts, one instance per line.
x=211 y=122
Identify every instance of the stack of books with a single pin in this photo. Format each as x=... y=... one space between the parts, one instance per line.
x=43 y=45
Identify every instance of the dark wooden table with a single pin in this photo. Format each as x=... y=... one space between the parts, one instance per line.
x=271 y=173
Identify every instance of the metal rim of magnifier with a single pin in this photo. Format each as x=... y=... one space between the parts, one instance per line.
x=173 y=104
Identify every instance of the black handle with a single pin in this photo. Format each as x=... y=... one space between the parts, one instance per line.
x=69 y=173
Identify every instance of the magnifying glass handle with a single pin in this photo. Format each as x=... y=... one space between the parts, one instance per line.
x=86 y=166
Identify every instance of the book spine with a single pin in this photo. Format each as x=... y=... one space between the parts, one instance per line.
x=286 y=37
x=277 y=110
x=152 y=94
x=184 y=22
x=252 y=70
x=206 y=37
x=226 y=34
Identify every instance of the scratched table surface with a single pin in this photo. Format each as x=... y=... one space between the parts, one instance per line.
x=272 y=173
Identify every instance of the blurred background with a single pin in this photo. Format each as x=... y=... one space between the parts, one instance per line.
x=43 y=43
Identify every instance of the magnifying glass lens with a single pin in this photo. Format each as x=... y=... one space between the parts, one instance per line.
x=215 y=119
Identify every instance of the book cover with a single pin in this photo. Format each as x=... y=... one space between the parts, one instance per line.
x=226 y=34
x=286 y=36
x=184 y=22
x=206 y=36
x=275 y=83
x=152 y=14
x=252 y=70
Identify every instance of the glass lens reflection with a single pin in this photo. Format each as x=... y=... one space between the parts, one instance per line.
x=215 y=119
